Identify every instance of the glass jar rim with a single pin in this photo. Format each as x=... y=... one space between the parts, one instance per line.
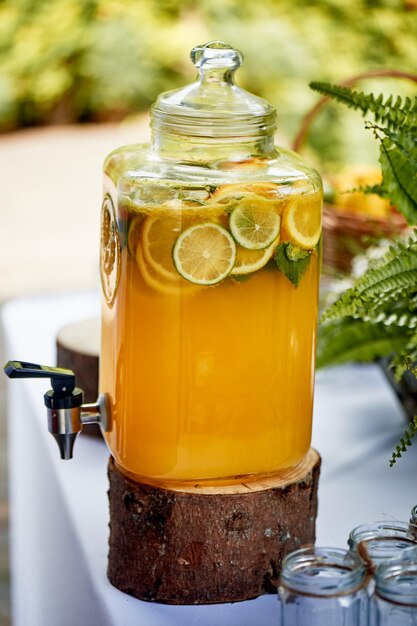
x=396 y=581
x=345 y=571
x=381 y=541
x=380 y=528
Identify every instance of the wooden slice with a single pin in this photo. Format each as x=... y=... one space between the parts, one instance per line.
x=78 y=349
x=203 y=545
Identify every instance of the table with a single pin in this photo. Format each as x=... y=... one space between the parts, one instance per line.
x=59 y=524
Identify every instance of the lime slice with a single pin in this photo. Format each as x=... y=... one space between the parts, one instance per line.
x=248 y=261
x=204 y=254
x=158 y=236
x=255 y=222
x=302 y=221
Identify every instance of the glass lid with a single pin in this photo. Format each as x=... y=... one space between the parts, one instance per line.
x=213 y=105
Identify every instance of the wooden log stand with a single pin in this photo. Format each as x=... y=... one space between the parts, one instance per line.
x=203 y=545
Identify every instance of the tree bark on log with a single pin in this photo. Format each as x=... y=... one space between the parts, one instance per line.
x=202 y=545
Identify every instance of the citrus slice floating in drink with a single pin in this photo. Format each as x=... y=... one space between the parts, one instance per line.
x=157 y=238
x=204 y=254
x=231 y=191
x=248 y=261
x=302 y=223
x=133 y=235
x=255 y=222
x=152 y=278
x=158 y=283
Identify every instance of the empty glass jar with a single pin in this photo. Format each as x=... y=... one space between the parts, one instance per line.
x=376 y=542
x=394 y=601
x=320 y=586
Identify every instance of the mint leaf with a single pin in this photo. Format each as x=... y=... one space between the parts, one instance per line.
x=294 y=253
x=292 y=261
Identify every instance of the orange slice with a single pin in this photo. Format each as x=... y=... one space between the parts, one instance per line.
x=158 y=236
x=237 y=190
x=248 y=261
x=302 y=221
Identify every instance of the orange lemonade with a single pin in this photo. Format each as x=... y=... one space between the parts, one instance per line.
x=209 y=327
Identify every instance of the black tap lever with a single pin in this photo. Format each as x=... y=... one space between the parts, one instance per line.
x=63 y=381
x=63 y=401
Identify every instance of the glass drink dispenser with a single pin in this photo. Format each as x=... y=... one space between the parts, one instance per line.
x=209 y=266
x=210 y=254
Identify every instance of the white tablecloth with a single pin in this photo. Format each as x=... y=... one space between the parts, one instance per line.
x=59 y=518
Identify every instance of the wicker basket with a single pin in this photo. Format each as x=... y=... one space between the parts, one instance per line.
x=345 y=233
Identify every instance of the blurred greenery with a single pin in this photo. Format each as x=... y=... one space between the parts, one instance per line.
x=93 y=60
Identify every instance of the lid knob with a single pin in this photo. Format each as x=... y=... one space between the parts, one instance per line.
x=216 y=55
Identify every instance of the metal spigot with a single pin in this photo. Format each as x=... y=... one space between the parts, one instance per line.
x=64 y=402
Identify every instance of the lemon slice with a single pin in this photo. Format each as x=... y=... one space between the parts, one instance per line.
x=255 y=222
x=302 y=222
x=204 y=254
x=248 y=261
x=157 y=238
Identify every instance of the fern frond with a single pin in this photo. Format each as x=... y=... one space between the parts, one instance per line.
x=376 y=189
x=401 y=244
x=405 y=358
x=412 y=303
x=398 y=158
x=393 y=114
x=400 y=317
x=392 y=276
x=398 y=146
x=353 y=340
x=397 y=287
x=405 y=441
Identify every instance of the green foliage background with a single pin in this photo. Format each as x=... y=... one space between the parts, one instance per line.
x=93 y=60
